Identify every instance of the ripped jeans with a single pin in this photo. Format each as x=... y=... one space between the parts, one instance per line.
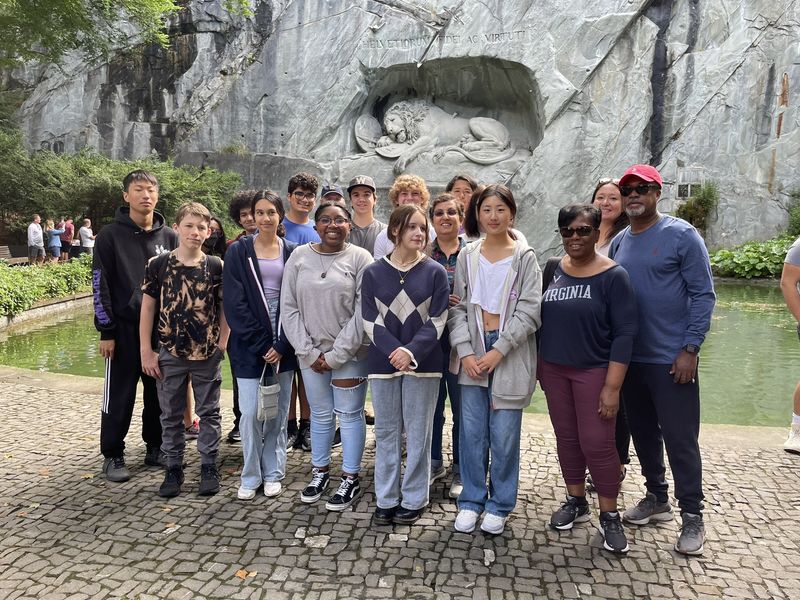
x=328 y=401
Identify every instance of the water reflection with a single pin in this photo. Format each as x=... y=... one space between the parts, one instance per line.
x=748 y=368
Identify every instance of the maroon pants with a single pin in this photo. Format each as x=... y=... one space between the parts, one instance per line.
x=582 y=437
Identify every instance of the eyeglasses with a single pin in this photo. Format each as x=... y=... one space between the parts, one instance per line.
x=302 y=195
x=641 y=189
x=450 y=212
x=581 y=230
x=338 y=221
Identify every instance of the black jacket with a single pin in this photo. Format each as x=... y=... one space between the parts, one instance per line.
x=121 y=252
x=251 y=330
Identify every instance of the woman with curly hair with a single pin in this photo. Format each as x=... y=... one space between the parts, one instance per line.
x=406 y=189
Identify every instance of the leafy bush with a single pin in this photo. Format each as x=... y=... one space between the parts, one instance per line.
x=753 y=259
x=794 y=215
x=698 y=209
x=88 y=184
x=22 y=287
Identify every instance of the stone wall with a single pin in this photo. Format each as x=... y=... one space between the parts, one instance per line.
x=706 y=90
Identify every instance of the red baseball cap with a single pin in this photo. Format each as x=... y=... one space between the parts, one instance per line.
x=643 y=172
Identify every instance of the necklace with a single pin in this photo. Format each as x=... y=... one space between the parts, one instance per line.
x=410 y=264
x=328 y=268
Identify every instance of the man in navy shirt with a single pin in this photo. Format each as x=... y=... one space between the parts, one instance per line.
x=669 y=268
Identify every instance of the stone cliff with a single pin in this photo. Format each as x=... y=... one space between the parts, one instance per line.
x=552 y=95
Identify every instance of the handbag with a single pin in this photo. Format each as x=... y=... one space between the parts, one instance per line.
x=268 y=391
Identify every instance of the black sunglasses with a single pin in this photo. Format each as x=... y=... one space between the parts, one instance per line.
x=581 y=230
x=641 y=189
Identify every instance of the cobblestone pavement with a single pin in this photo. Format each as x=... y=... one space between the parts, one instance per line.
x=67 y=533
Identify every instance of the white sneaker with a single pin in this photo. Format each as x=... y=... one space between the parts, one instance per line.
x=272 y=488
x=245 y=493
x=466 y=520
x=456 y=487
x=493 y=524
x=792 y=443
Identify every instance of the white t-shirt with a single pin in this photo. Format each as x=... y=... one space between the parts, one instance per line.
x=489 y=283
x=86 y=234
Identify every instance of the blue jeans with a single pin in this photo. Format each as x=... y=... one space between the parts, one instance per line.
x=447 y=387
x=488 y=431
x=403 y=403
x=263 y=442
x=328 y=401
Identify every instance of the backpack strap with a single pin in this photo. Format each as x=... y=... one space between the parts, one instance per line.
x=549 y=271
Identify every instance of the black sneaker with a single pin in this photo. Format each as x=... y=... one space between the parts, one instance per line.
x=407 y=516
x=173 y=480
x=154 y=457
x=234 y=437
x=347 y=493
x=337 y=438
x=573 y=510
x=292 y=439
x=369 y=418
x=613 y=533
x=304 y=440
x=115 y=469
x=316 y=487
x=384 y=516
x=209 y=480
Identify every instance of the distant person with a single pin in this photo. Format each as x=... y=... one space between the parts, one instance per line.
x=365 y=227
x=87 y=237
x=790 y=280
x=217 y=243
x=66 y=239
x=302 y=195
x=182 y=293
x=122 y=250
x=590 y=302
x=53 y=234
x=462 y=186
x=406 y=189
x=36 y=252
x=240 y=211
x=670 y=271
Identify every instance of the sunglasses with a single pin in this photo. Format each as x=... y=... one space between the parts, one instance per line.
x=607 y=180
x=581 y=230
x=641 y=189
x=450 y=212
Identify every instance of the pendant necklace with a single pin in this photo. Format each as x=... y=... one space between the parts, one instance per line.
x=403 y=274
x=322 y=264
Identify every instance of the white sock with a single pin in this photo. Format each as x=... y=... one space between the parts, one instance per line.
x=795 y=419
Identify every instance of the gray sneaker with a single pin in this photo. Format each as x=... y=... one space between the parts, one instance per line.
x=693 y=535
x=115 y=469
x=648 y=509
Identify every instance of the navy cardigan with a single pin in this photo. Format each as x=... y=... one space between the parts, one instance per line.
x=251 y=330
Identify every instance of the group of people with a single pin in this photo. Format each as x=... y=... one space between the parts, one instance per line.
x=54 y=242
x=446 y=300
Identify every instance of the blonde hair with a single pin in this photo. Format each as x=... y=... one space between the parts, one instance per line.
x=193 y=209
x=409 y=183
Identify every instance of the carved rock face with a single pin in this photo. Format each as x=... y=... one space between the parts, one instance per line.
x=583 y=92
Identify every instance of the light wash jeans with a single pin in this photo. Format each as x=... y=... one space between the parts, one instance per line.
x=263 y=442
x=488 y=430
x=448 y=387
x=403 y=403
x=327 y=402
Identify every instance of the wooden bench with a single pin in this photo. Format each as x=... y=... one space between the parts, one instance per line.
x=5 y=255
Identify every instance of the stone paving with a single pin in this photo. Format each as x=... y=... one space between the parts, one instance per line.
x=67 y=533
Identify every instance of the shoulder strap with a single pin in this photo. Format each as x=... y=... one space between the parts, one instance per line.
x=549 y=271
x=160 y=263
x=214 y=265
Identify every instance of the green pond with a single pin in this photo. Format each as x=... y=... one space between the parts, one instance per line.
x=748 y=368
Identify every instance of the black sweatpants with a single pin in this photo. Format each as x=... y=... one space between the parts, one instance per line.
x=119 y=394
x=662 y=413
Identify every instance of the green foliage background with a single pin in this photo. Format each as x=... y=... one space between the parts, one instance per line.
x=698 y=209
x=22 y=287
x=753 y=259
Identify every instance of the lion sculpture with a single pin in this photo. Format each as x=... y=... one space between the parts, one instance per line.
x=415 y=126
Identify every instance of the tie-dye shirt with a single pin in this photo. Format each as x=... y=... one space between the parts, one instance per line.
x=190 y=300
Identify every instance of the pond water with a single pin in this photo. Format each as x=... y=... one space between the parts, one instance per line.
x=748 y=368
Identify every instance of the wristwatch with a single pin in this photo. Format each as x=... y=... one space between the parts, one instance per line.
x=692 y=349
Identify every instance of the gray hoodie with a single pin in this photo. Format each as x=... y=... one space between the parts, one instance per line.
x=515 y=375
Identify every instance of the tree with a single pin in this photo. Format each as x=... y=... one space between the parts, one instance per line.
x=44 y=30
